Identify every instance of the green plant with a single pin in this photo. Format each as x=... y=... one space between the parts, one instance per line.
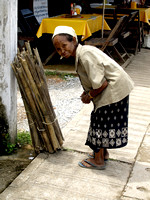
x=10 y=148
x=51 y=73
x=61 y=75
x=7 y=147
x=23 y=138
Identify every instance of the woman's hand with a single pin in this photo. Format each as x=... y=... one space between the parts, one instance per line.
x=85 y=98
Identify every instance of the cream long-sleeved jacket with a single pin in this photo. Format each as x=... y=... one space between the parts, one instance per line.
x=94 y=67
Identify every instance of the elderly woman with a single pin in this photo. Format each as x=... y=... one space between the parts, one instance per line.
x=107 y=85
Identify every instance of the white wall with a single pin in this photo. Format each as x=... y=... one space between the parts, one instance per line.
x=8 y=49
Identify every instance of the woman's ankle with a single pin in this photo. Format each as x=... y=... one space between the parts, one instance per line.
x=99 y=157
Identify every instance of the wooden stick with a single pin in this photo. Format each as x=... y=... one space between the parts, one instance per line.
x=43 y=90
x=56 y=126
x=42 y=110
x=45 y=131
x=49 y=57
x=27 y=44
x=36 y=141
x=33 y=105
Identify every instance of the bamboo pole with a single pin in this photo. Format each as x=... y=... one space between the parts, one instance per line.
x=45 y=131
x=38 y=59
x=43 y=124
x=33 y=110
x=28 y=47
x=48 y=97
x=42 y=109
x=35 y=139
x=43 y=89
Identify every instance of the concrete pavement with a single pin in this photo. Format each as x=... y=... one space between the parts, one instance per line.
x=127 y=176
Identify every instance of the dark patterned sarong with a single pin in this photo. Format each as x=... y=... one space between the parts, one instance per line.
x=109 y=126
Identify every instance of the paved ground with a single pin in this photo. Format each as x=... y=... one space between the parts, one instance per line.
x=127 y=176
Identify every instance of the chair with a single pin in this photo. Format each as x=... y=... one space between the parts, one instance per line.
x=28 y=25
x=111 y=45
x=131 y=29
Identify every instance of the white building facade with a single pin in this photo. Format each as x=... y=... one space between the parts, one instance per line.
x=8 y=50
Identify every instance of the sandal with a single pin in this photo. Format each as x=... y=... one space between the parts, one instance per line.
x=93 y=166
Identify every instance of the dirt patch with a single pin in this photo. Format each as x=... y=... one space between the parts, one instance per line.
x=12 y=165
x=9 y=170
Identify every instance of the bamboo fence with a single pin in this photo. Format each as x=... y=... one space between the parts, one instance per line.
x=44 y=127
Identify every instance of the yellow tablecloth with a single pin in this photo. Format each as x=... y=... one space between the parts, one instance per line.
x=84 y=26
x=144 y=13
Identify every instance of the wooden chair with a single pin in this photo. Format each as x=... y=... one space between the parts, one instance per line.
x=131 y=29
x=28 y=25
x=111 y=45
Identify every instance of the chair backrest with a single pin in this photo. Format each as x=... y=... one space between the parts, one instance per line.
x=132 y=23
x=121 y=26
x=131 y=18
x=115 y=31
x=27 y=22
x=133 y=15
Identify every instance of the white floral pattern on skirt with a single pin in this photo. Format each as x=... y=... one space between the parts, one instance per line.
x=109 y=126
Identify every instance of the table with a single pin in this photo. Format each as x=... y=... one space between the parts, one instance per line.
x=143 y=12
x=84 y=25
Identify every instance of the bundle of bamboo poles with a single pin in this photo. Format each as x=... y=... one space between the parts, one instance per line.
x=44 y=128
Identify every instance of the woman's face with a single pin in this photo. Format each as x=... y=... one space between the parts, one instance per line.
x=64 y=47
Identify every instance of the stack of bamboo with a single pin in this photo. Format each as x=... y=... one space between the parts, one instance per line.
x=44 y=128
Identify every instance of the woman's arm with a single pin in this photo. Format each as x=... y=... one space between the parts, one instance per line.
x=86 y=97
x=95 y=92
